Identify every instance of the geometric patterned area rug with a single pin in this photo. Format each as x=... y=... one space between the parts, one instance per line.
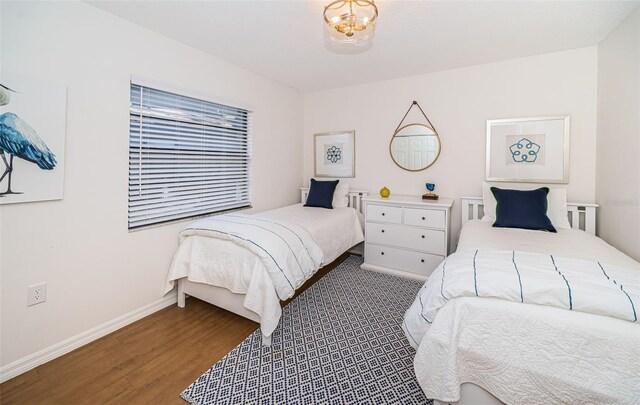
x=339 y=342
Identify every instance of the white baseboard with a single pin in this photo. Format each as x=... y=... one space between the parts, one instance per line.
x=34 y=360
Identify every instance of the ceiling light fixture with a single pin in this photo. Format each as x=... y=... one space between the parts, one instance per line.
x=350 y=17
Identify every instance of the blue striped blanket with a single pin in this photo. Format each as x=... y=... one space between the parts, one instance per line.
x=287 y=251
x=530 y=278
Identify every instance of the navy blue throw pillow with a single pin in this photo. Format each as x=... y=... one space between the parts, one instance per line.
x=522 y=209
x=321 y=194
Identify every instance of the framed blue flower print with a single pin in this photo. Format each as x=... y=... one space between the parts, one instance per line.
x=335 y=154
x=534 y=150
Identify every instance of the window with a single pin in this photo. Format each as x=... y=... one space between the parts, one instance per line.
x=187 y=157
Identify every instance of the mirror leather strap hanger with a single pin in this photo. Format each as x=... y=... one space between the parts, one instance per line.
x=414 y=103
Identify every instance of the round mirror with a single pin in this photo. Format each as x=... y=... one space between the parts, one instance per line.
x=415 y=147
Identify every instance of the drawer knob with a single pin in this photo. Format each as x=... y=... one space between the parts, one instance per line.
x=422 y=236
x=423 y=218
x=383 y=231
x=382 y=253
x=422 y=260
x=383 y=214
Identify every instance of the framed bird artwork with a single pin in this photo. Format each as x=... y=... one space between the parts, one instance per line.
x=32 y=139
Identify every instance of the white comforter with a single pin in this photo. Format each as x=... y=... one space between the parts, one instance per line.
x=287 y=251
x=525 y=353
x=244 y=269
x=529 y=354
x=531 y=278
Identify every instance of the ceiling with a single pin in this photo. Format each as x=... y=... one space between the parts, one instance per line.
x=285 y=40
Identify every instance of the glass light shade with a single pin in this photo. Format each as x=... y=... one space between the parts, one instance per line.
x=359 y=39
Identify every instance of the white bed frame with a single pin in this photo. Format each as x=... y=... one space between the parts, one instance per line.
x=223 y=298
x=581 y=216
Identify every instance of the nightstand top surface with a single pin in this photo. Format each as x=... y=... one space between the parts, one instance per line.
x=410 y=199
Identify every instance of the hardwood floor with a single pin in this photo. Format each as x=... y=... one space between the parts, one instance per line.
x=149 y=361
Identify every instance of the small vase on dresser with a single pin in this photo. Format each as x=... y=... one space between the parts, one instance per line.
x=406 y=235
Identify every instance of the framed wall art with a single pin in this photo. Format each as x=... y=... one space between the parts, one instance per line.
x=529 y=150
x=335 y=154
x=32 y=139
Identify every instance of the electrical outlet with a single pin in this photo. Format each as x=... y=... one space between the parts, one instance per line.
x=36 y=294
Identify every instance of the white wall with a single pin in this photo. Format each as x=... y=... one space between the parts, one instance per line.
x=96 y=270
x=458 y=103
x=618 y=147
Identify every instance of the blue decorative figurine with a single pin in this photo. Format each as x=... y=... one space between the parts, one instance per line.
x=430 y=195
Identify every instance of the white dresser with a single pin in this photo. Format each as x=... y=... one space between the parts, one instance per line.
x=406 y=235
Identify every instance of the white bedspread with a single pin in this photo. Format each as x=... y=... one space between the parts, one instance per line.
x=335 y=231
x=529 y=354
x=525 y=353
x=566 y=242
x=287 y=251
x=225 y=263
x=582 y=285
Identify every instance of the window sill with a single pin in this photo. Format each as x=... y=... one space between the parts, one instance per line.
x=188 y=219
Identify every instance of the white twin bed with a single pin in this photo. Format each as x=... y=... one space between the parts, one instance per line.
x=575 y=339
x=247 y=264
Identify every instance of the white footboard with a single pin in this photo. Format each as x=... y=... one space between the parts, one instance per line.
x=181 y=294
x=220 y=297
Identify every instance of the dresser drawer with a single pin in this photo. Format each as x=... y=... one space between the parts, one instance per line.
x=422 y=217
x=413 y=262
x=384 y=213
x=426 y=240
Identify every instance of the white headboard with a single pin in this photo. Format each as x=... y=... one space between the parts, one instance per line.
x=581 y=216
x=355 y=197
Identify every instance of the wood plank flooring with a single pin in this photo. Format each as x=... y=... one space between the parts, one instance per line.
x=150 y=361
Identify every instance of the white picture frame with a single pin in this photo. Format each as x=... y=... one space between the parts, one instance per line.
x=335 y=154
x=528 y=150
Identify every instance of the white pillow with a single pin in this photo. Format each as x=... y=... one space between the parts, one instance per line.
x=341 y=195
x=556 y=204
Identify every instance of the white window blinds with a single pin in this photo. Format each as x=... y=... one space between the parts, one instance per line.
x=187 y=157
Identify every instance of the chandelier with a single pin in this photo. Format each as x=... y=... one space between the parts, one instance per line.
x=349 y=17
